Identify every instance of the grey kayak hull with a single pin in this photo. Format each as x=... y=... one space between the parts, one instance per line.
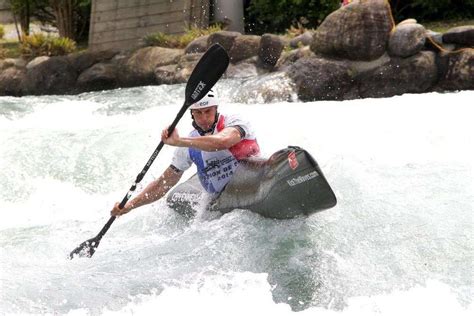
x=288 y=184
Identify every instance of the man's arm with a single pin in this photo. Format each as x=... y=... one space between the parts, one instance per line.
x=153 y=192
x=225 y=139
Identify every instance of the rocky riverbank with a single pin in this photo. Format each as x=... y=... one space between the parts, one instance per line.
x=357 y=52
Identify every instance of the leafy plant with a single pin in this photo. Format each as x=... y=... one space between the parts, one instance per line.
x=443 y=26
x=62 y=46
x=41 y=45
x=276 y=16
x=294 y=31
x=10 y=50
x=428 y=10
x=71 y=17
x=179 y=40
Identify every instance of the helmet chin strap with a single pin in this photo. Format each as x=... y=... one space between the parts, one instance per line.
x=204 y=132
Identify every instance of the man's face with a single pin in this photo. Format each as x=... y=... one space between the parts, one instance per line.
x=204 y=118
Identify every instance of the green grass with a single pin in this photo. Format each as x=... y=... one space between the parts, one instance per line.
x=178 y=40
x=56 y=46
x=43 y=45
x=443 y=26
x=9 y=49
x=12 y=49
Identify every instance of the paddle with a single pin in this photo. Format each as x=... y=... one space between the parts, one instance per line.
x=208 y=70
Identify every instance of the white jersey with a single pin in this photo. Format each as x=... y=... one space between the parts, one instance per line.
x=215 y=168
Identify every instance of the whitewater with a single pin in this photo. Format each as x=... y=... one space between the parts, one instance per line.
x=399 y=241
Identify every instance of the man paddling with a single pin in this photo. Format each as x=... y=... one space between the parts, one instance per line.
x=216 y=145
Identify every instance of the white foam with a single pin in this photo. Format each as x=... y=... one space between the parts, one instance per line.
x=231 y=294
x=401 y=168
x=51 y=202
x=250 y=294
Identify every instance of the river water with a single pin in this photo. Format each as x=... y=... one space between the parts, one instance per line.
x=399 y=242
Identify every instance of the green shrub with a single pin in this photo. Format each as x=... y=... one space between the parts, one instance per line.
x=429 y=10
x=2 y=31
x=178 y=40
x=161 y=39
x=445 y=25
x=41 y=45
x=276 y=16
x=62 y=46
x=294 y=31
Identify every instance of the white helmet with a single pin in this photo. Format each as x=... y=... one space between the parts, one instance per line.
x=210 y=99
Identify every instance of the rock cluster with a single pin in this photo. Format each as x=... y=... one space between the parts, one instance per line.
x=91 y=70
x=357 y=52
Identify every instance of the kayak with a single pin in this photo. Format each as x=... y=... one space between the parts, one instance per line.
x=288 y=184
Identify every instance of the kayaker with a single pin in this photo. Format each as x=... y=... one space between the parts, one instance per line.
x=216 y=145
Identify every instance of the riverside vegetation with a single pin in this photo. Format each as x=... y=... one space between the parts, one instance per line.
x=357 y=51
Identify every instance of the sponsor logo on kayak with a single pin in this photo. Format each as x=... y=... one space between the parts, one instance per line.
x=198 y=90
x=301 y=179
x=292 y=161
x=185 y=196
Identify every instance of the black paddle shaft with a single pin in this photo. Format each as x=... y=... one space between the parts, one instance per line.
x=206 y=73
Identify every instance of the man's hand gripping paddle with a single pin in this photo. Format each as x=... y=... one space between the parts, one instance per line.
x=208 y=70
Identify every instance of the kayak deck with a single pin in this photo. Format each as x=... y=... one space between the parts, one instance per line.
x=288 y=184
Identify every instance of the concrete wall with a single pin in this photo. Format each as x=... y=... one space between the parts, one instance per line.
x=231 y=13
x=123 y=23
x=5 y=13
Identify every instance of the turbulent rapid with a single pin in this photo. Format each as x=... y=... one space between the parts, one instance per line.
x=399 y=242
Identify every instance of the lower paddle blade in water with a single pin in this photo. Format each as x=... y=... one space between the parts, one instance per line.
x=86 y=249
